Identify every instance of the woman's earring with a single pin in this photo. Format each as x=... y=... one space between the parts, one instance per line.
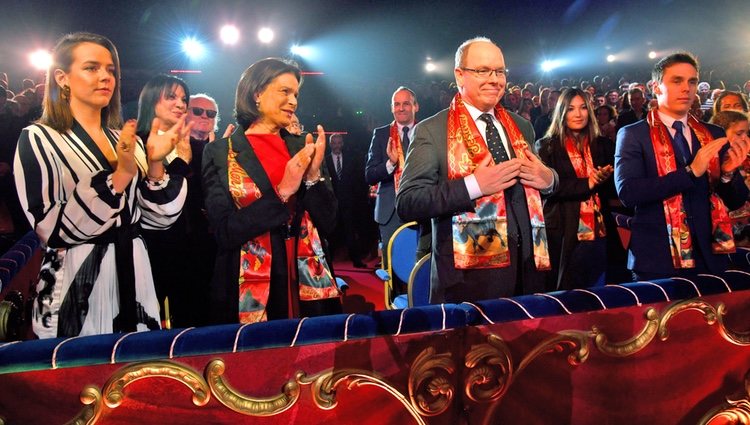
x=65 y=94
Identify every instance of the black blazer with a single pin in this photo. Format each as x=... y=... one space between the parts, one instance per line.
x=562 y=208
x=233 y=227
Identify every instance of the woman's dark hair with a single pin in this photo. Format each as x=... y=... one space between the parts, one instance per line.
x=610 y=110
x=56 y=110
x=558 y=129
x=151 y=93
x=725 y=119
x=253 y=81
x=717 y=102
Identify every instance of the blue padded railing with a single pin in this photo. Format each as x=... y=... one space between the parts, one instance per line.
x=175 y=343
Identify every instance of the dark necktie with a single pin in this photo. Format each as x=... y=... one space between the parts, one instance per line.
x=405 y=140
x=681 y=144
x=494 y=143
x=339 y=173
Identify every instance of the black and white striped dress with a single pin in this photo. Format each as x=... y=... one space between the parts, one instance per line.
x=65 y=187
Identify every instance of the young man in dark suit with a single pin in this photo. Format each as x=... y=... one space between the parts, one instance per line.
x=675 y=171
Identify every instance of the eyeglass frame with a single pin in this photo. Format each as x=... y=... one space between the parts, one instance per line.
x=478 y=72
x=198 y=111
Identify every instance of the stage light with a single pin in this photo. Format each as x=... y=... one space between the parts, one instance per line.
x=652 y=55
x=430 y=67
x=550 y=64
x=265 y=35
x=229 y=34
x=193 y=48
x=305 y=52
x=611 y=58
x=40 y=59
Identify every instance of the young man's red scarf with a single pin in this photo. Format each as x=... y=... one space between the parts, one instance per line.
x=480 y=238
x=395 y=139
x=590 y=220
x=680 y=240
x=315 y=278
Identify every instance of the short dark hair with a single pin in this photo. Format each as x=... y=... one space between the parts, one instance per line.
x=56 y=110
x=151 y=93
x=680 y=57
x=725 y=119
x=253 y=81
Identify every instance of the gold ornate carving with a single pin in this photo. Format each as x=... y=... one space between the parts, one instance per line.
x=490 y=370
x=114 y=388
x=710 y=314
x=736 y=410
x=632 y=345
x=430 y=391
x=736 y=338
x=576 y=341
x=229 y=397
x=323 y=387
x=91 y=397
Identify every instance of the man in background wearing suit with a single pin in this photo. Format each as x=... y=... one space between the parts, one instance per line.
x=347 y=177
x=385 y=160
x=470 y=170
x=676 y=171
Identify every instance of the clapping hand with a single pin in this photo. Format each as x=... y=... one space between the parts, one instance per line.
x=738 y=151
x=313 y=172
x=392 y=151
x=160 y=145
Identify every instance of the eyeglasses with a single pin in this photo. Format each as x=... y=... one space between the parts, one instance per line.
x=199 y=111
x=297 y=125
x=486 y=73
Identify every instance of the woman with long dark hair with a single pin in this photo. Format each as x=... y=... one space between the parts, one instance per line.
x=163 y=103
x=267 y=194
x=87 y=189
x=573 y=213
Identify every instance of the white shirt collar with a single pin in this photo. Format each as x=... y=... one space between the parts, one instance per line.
x=476 y=113
x=669 y=121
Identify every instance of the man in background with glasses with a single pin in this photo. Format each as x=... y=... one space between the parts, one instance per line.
x=470 y=170
x=203 y=112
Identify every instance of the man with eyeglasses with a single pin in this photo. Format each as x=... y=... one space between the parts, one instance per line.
x=470 y=169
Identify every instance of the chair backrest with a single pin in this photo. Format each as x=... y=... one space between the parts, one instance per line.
x=402 y=250
x=401 y=254
x=419 y=282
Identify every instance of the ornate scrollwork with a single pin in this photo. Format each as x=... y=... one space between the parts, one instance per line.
x=114 y=388
x=736 y=338
x=632 y=345
x=245 y=405
x=709 y=314
x=490 y=370
x=430 y=391
x=576 y=341
x=324 y=386
x=91 y=397
x=736 y=410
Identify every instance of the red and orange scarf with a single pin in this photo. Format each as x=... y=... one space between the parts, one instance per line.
x=590 y=220
x=480 y=238
x=680 y=239
x=314 y=275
